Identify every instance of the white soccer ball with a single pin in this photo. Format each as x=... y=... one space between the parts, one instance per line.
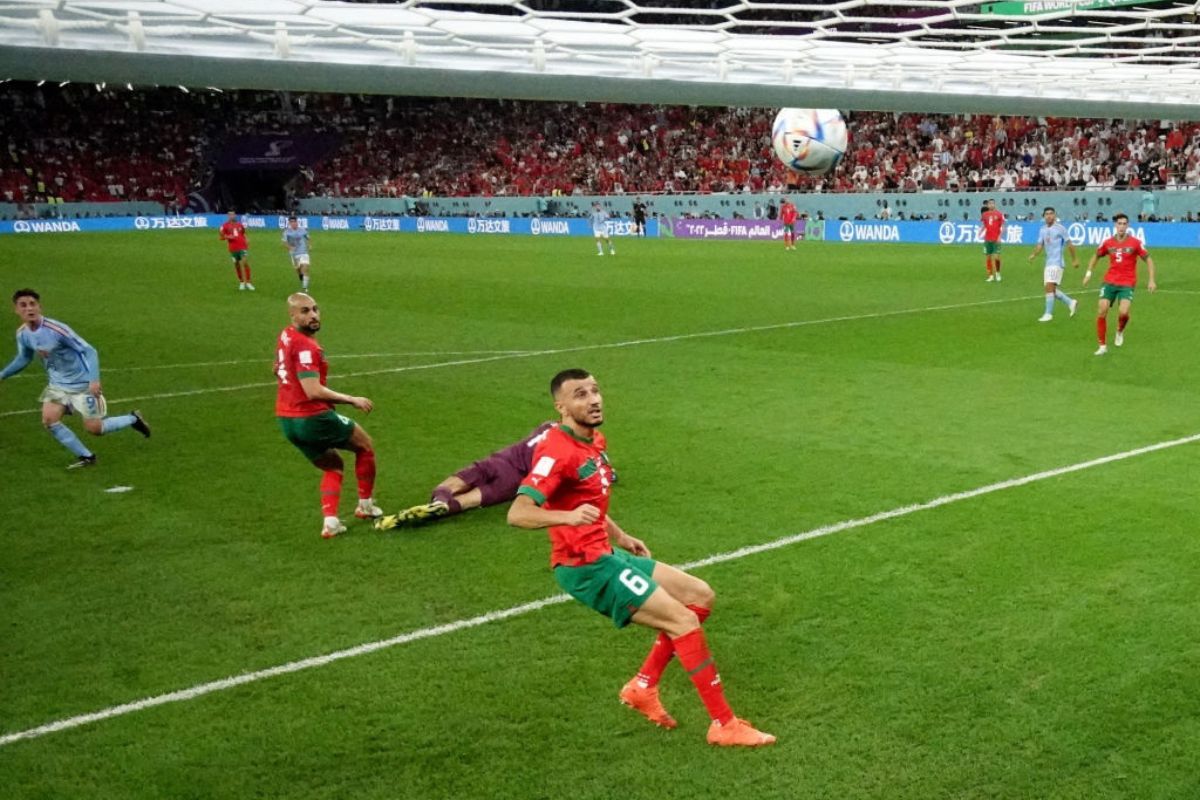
x=809 y=140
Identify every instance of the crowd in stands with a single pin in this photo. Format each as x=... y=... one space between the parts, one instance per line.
x=83 y=143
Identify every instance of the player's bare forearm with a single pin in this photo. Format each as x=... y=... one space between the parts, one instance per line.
x=525 y=513
x=623 y=540
x=313 y=390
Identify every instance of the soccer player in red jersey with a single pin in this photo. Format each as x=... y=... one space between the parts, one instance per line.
x=993 y=228
x=1123 y=251
x=233 y=232
x=567 y=491
x=788 y=216
x=304 y=407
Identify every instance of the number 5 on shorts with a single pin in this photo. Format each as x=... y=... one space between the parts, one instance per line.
x=635 y=583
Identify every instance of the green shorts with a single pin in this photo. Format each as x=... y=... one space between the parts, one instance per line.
x=238 y=255
x=1112 y=292
x=616 y=584
x=789 y=226
x=991 y=248
x=316 y=435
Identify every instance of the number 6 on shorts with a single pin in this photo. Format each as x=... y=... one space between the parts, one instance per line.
x=635 y=583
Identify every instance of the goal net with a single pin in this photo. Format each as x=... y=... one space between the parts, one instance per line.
x=1099 y=58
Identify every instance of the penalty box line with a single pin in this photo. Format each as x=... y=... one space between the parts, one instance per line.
x=508 y=356
x=525 y=608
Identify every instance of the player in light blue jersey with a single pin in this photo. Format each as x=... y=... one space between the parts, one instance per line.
x=1052 y=238
x=74 y=371
x=295 y=239
x=600 y=230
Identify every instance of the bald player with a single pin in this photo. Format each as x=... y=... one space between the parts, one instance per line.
x=304 y=407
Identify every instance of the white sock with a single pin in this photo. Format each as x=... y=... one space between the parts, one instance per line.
x=332 y=522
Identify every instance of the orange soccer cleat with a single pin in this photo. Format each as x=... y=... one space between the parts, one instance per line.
x=737 y=733
x=644 y=700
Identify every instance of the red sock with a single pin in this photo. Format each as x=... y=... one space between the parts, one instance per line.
x=662 y=651
x=331 y=492
x=988 y=263
x=1122 y=321
x=1102 y=328
x=364 y=470
x=996 y=265
x=247 y=268
x=695 y=658
x=238 y=267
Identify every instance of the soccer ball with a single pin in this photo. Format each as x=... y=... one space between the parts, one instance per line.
x=809 y=140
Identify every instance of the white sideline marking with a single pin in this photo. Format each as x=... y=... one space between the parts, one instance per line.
x=536 y=605
x=512 y=354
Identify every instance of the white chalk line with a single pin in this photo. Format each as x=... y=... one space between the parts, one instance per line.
x=536 y=605
x=509 y=355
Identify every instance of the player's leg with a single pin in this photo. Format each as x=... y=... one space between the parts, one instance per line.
x=670 y=616
x=1102 y=325
x=599 y=244
x=1122 y=320
x=97 y=422
x=448 y=491
x=694 y=593
x=52 y=414
x=332 y=468
x=1048 y=313
x=612 y=251
x=987 y=261
x=996 y=259
x=364 y=471
x=1061 y=296
x=237 y=267
x=246 y=269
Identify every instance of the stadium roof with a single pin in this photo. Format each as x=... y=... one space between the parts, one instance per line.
x=1100 y=58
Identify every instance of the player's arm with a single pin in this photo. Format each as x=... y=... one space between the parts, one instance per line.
x=1074 y=254
x=623 y=540
x=526 y=512
x=313 y=390
x=1087 y=276
x=286 y=244
x=20 y=361
x=1150 y=285
x=1037 y=248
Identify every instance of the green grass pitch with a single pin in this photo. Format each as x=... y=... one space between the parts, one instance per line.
x=1038 y=641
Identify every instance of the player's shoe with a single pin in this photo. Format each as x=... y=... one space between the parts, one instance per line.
x=82 y=461
x=242 y=286
x=1101 y=350
x=139 y=424
x=644 y=700
x=1074 y=305
x=332 y=528
x=738 y=733
x=250 y=286
x=1119 y=339
x=998 y=279
x=368 y=511
x=990 y=278
x=600 y=253
x=1045 y=318
x=416 y=515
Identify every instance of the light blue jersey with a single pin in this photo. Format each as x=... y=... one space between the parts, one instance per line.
x=1053 y=238
x=70 y=362
x=600 y=222
x=296 y=240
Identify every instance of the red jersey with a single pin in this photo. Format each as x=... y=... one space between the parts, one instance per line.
x=787 y=214
x=993 y=224
x=1122 y=259
x=297 y=355
x=568 y=472
x=235 y=234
